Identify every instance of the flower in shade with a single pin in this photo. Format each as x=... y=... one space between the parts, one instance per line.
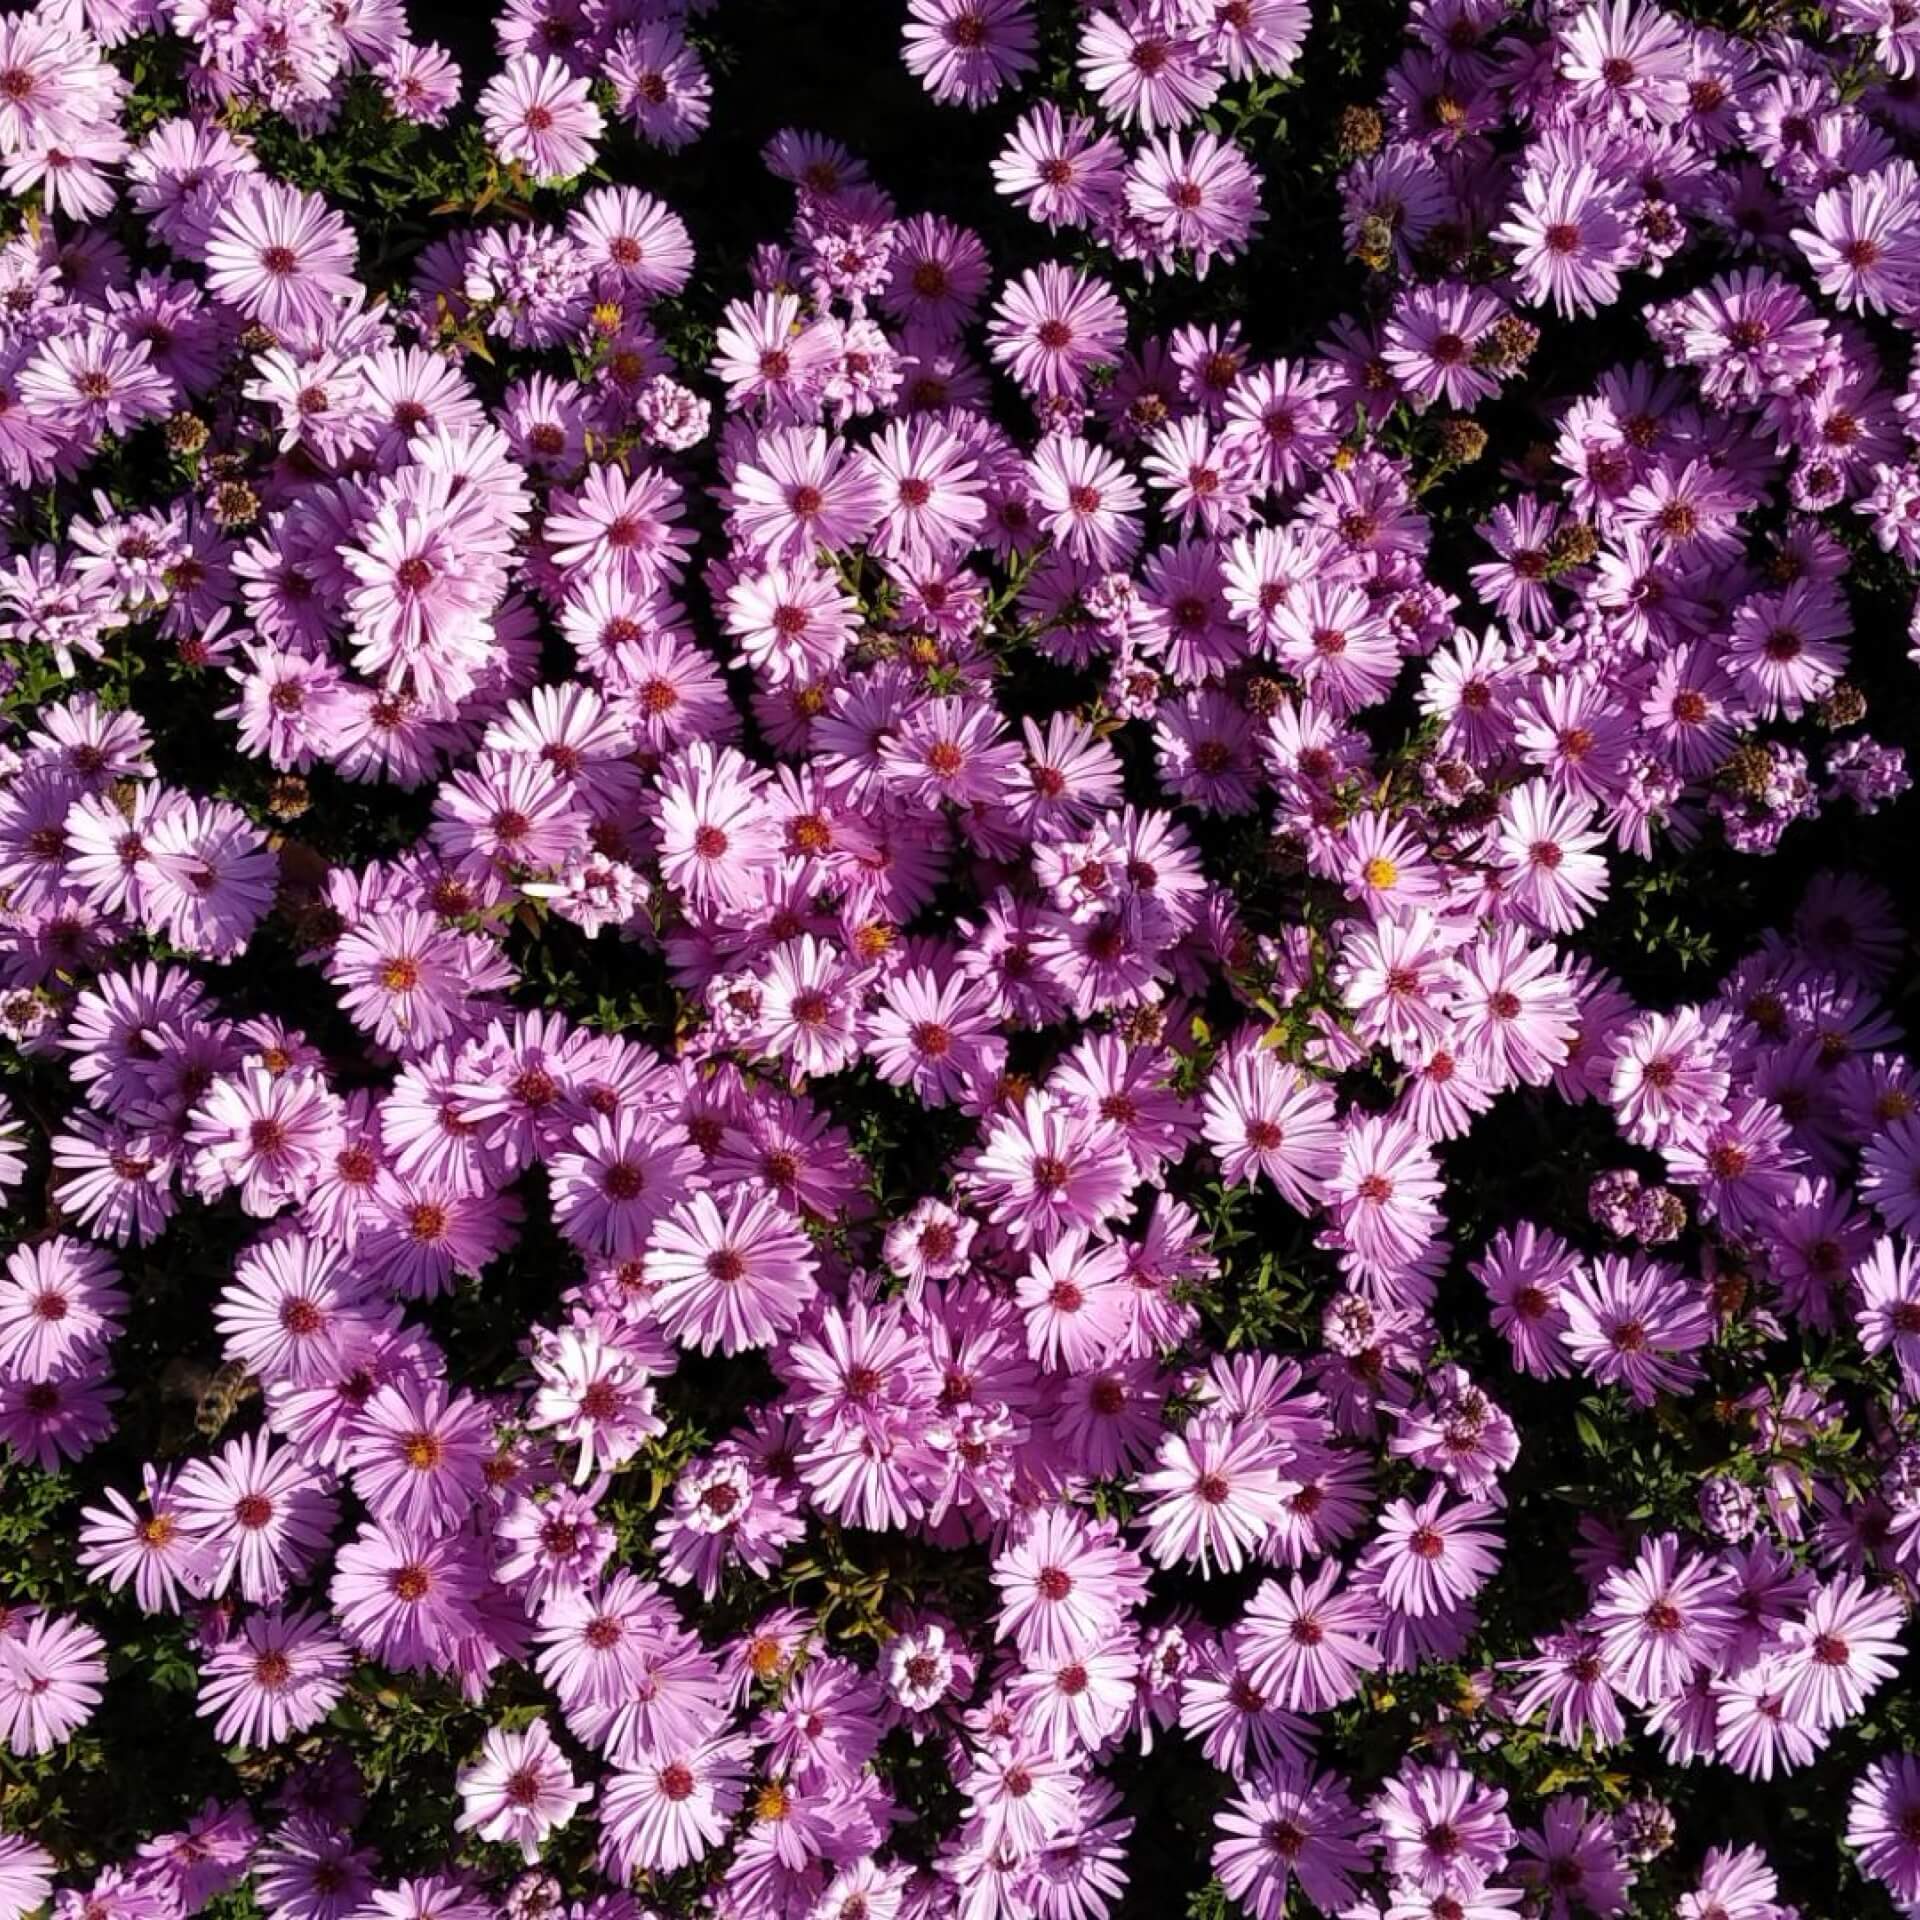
x=1575 y=1860
x=1287 y=1824
x=1635 y=1323
x=1883 y=1825
x=519 y=1790
x=1887 y=1288
x=279 y=1675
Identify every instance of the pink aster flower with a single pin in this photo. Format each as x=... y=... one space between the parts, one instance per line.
x=1290 y=1824
x=1431 y=1557
x=519 y=1790
x=542 y=116
x=964 y=52
x=1636 y=1323
x=282 y=257
x=263 y=1517
x=672 y=1809
x=733 y=1278
x=278 y=1676
x=1659 y=1619
x=1306 y=1643
x=1215 y=1493
x=51 y=1673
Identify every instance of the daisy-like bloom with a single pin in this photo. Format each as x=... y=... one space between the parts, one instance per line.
x=519 y=1790
x=964 y=52
x=264 y=1518
x=270 y=1135
x=280 y=1674
x=418 y=1455
x=1860 y=241
x=1669 y=1076
x=1735 y=1883
x=60 y=1309
x=1384 y=1193
x=1569 y=1678
x=1626 y=61
x=1887 y=1290
x=1215 y=1493
x=718 y=836
x=1263 y=1117
x=1197 y=195
x=1431 y=342
x=152 y=1551
x=51 y=1672
x=1443 y=1830
x=593 y=1394
x=540 y=115
x=1836 y=1656
x=1787 y=649
x=1514 y=1008
x=426 y=582
x=1146 y=72
x=1085 y=498
x=1065 y=169
x=809 y=1007
x=26 y=1875
x=1053 y=325
x=209 y=878
x=1883 y=1824
x=281 y=257
x=1429 y=1558
x=672 y=1809
x=404 y=976
x=799 y=489
x=1659 y=1619
x=1048 y=1169
x=616 y=1178
x=1570 y=237
x=931 y=493
x=731 y=1279
x=555 y=1545
x=407 y=1601
x=293 y=1306
x=1076 y=1302
x=1547 y=859
x=1636 y=1323
x=1288 y=1824
x=1306 y=1643
x=621 y=527
x=633 y=240
x=1065 y=1584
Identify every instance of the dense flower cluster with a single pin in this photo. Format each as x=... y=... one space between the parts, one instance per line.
x=970 y=685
